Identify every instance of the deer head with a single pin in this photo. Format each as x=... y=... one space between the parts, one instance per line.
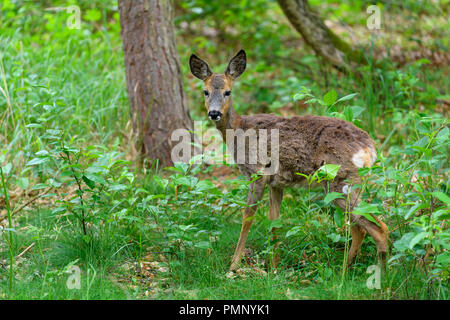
x=217 y=89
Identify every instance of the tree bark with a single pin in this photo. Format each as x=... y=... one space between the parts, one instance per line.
x=316 y=34
x=155 y=89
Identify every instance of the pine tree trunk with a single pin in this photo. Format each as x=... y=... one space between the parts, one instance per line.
x=316 y=34
x=155 y=90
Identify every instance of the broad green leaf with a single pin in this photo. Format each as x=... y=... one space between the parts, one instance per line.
x=338 y=217
x=89 y=182
x=276 y=224
x=293 y=231
x=328 y=172
x=417 y=238
x=334 y=237
x=330 y=97
x=202 y=244
x=443 y=258
x=118 y=187
x=402 y=244
x=161 y=181
x=299 y=96
x=365 y=209
x=357 y=110
x=23 y=183
x=414 y=208
x=204 y=185
x=96 y=178
x=39 y=186
x=441 y=196
x=36 y=161
x=347 y=97
x=332 y=196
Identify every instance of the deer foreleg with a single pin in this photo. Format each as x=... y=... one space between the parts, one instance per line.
x=255 y=193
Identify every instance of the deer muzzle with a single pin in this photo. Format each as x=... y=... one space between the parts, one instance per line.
x=215 y=115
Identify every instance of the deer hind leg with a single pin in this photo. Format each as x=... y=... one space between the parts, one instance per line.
x=358 y=235
x=256 y=190
x=276 y=196
x=362 y=225
x=380 y=234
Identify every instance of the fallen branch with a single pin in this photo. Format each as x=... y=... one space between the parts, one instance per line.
x=25 y=251
x=29 y=202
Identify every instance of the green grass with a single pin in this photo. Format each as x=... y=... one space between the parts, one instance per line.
x=108 y=271
x=170 y=234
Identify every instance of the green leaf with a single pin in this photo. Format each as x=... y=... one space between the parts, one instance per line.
x=204 y=185
x=441 y=196
x=330 y=97
x=275 y=224
x=59 y=209
x=332 y=196
x=117 y=187
x=187 y=181
x=443 y=134
x=417 y=238
x=202 y=244
x=348 y=112
x=365 y=209
x=36 y=161
x=443 y=258
x=7 y=168
x=89 y=182
x=96 y=178
x=299 y=96
x=92 y=15
x=334 y=237
x=357 y=110
x=414 y=208
x=293 y=231
x=327 y=172
x=161 y=181
x=402 y=244
x=23 y=183
x=347 y=97
x=39 y=186
x=338 y=217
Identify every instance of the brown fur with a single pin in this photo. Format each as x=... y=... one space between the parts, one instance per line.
x=306 y=143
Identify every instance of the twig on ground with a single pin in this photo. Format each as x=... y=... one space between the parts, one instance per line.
x=29 y=202
x=25 y=251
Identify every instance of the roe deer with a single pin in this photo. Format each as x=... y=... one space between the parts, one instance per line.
x=305 y=144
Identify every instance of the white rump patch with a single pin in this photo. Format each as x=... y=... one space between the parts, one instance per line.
x=358 y=158
x=364 y=157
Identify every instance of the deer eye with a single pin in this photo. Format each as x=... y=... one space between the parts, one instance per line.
x=227 y=93
x=206 y=92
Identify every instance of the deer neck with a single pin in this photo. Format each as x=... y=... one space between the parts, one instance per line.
x=230 y=120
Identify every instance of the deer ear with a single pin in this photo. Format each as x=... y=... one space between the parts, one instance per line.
x=237 y=65
x=199 y=68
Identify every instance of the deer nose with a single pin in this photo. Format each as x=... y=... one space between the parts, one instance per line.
x=215 y=115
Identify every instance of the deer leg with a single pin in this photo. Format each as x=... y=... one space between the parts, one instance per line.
x=358 y=235
x=363 y=225
x=380 y=234
x=256 y=190
x=276 y=196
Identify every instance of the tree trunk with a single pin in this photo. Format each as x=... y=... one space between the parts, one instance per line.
x=155 y=89
x=316 y=34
